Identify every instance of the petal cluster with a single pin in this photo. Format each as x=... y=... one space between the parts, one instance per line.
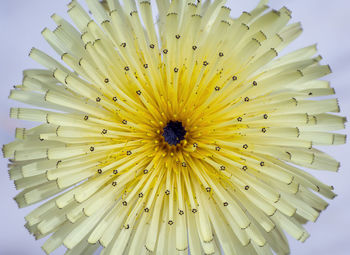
x=184 y=133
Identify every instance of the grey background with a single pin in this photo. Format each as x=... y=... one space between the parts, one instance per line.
x=325 y=22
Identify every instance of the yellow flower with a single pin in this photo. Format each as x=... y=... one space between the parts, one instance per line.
x=184 y=135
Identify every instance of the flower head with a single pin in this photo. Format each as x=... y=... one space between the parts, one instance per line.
x=184 y=135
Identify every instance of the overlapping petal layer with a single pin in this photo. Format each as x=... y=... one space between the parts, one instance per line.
x=100 y=160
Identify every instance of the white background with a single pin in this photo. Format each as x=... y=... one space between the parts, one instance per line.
x=325 y=22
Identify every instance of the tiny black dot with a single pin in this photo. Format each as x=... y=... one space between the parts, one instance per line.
x=310 y=93
x=225 y=204
x=246 y=99
x=140 y=194
x=123 y=44
x=115 y=99
x=265 y=116
x=127 y=226
x=245 y=146
x=167 y=192
x=177 y=36
x=239 y=119
x=114 y=183
x=234 y=78
x=195 y=145
x=86 y=117
x=138 y=92
x=194 y=47
x=151 y=46
x=170 y=222
x=125 y=203
x=222 y=168
x=126 y=68
x=217 y=88
x=263 y=130
x=205 y=63
x=184 y=164
x=145 y=171
x=194 y=210
x=217 y=148
x=208 y=189
x=115 y=171
x=128 y=153
x=104 y=131
x=244 y=168
x=165 y=51
x=98 y=99
x=262 y=163
x=146 y=210
x=221 y=54
x=246 y=187
x=92 y=148
x=99 y=171
x=181 y=212
x=106 y=80
x=145 y=66
x=176 y=69
x=125 y=122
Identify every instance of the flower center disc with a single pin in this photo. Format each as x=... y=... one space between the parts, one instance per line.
x=174 y=132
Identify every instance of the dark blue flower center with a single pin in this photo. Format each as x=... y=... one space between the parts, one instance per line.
x=174 y=132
